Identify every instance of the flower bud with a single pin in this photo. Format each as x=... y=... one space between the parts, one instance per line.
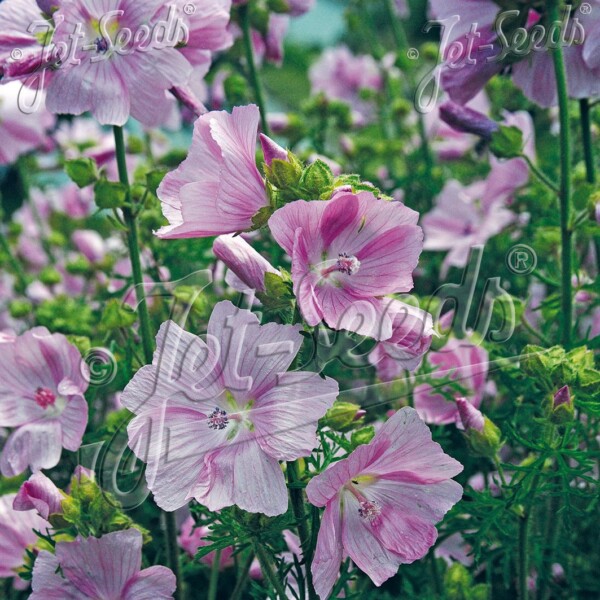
x=562 y=406
x=272 y=149
x=344 y=416
x=39 y=493
x=467 y=120
x=483 y=437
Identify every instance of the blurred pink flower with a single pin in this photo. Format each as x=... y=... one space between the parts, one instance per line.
x=218 y=188
x=340 y=75
x=213 y=419
x=21 y=131
x=347 y=253
x=462 y=362
x=16 y=536
x=42 y=383
x=106 y=567
x=382 y=502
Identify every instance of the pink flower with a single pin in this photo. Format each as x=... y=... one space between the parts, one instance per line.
x=39 y=493
x=107 y=74
x=106 y=567
x=213 y=419
x=346 y=253
x=42 y=382
x=410 y=340
x=382 y=502
x=21 y=132
x=246 y=264
x=217 y=189
x=464 y=363
x=340 y=75
x=16 y=535
x=191 y=538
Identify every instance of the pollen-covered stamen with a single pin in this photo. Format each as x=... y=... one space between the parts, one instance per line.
x=101 y=45
x=44 y=397
x=346 y=263
x=218 y=419
x=369 y=510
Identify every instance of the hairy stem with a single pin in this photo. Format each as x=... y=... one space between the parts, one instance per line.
x=303 y=531
x=134 y=252
x=565 y=183
x=252 y=71
x=213 y=585
x=242 y=578
x=540 y=175
x=266 y=566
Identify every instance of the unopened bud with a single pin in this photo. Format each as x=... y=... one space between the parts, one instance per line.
x=562 y=406
x=467 y=120
x=483 y=437
x=344 y=416
x=272 y=150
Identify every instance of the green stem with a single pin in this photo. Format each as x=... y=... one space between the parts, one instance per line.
x=145 y=334
x=214 y=576
x=397 y=29
x=500 y=470
x=252 y=71
x=303 y=532
x=540 y=175
x=173 y=552
x=435 y=573
x=523 y=555
x=16 y=266
x=588 y=152
x=134 y=252
x=267 y=569
x=586 y=135
x=240 y=584
x=565 y=181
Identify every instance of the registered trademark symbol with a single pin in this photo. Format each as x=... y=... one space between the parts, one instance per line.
x=16 y=54
x=189 y=9
x=585 y=8
x=521 y=260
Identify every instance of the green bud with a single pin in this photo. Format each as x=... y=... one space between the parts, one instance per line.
x=507 y=142
x=284 y=174
x=154 y=179
x=79 y=266
x=110 y=194
x=481 y=591
x=486 y=442
x=117 y=315
x=82 y=342
x=362 y=436
x=82 y=171
x=318 y=180
x=57 y=239
x=20 y=308
x=457 y=582
x=342 y=416
x=50 y=276
x=135 y=145
x=561 y=407
x=236 y=88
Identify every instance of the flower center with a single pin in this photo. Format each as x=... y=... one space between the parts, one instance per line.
x=346 y=263
x=218 y=419
x=44 y=397
x=369 y=510
x=101 y=45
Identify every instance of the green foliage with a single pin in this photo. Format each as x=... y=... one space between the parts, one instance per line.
x=82 y=171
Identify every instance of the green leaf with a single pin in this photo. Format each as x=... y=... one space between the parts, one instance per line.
x=110 y=194
x=507 y=142
x=117 y=315
x=82 y=171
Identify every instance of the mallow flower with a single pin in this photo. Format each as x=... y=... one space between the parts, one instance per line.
x=108 y=567
x=42 y=383
x=213 y=419
x=217 y=189
x=461 y=361
x=347 y=253
x=382 y=502
x=16 y=536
